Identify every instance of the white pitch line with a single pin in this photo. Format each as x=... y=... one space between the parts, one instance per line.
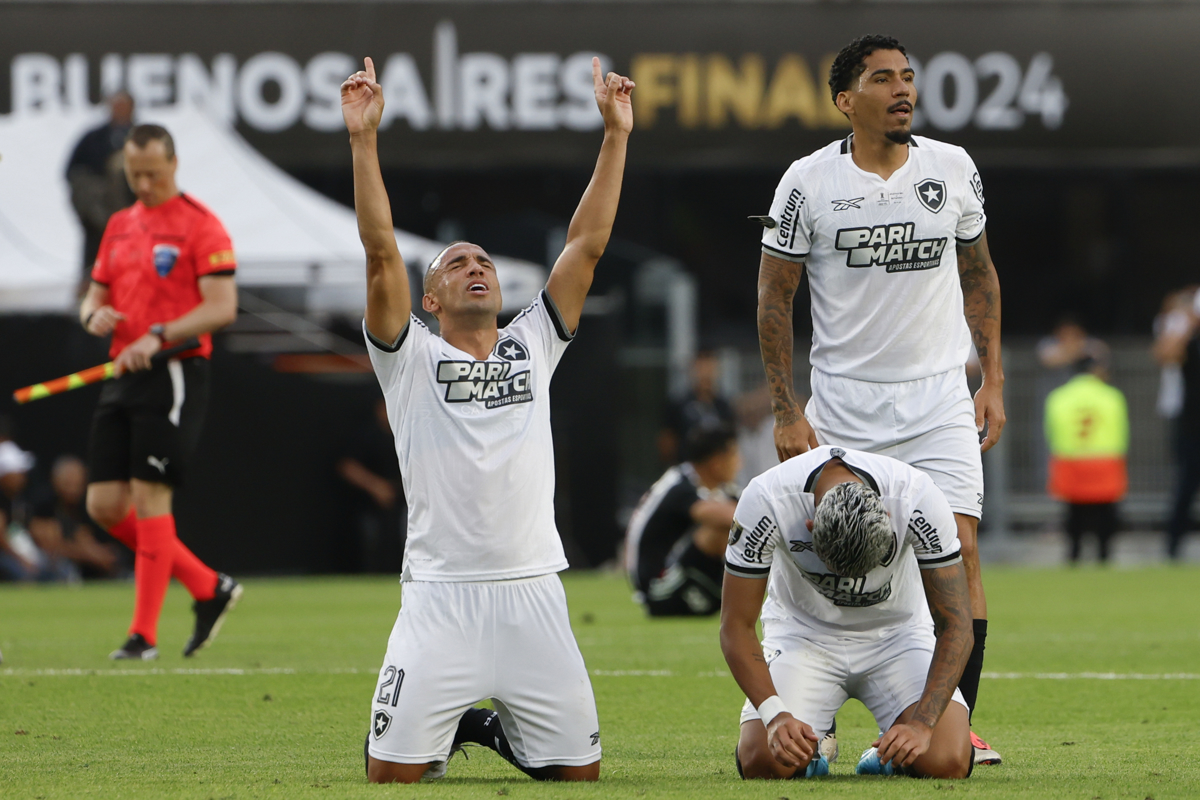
x=1093 y=676
x=20 y=672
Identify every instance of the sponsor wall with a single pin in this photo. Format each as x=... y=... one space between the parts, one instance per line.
x=485 y=84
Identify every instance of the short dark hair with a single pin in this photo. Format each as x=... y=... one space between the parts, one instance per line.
x=706 y=441
x=142 y=135
x=850 y=62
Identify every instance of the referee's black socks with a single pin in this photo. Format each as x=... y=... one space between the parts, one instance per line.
x=969 y=683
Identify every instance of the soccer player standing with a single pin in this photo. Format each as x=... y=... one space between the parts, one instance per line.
x=484 y=614
x=164 y=274
x=880 y=219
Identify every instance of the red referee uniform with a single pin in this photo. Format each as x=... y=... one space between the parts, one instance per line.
x=147 y=423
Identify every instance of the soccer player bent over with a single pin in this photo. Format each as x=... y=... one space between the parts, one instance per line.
x=484 y=613
x=842 y=536
x=891 y=228
x=164 y=274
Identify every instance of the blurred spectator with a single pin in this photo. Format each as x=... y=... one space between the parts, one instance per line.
x=1172 y=322
x=1067 y=344
x=61 y=528
x=20 y=558
x=96 y=174
x=370 y=467
x=675 y=543
x=1182 y=347
x=700 y=407
x=1087 y=427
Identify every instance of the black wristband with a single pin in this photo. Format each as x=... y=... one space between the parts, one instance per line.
x=88 y=319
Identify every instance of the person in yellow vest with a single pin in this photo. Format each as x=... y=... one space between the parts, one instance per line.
x=1087 y=428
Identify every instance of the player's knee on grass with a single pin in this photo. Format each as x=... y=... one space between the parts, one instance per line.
x=390 y=772
x=587 y=772
x=949 y=754
x=755 y=756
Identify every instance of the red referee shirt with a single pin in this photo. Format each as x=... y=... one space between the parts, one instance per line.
x=151 y=260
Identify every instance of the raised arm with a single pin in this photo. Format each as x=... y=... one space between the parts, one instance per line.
x=981 y=305
x=389 y=302
x=778 y=279
x=950 y=605
x=592 y=223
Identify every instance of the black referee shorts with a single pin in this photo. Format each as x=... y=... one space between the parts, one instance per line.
x=147 y=424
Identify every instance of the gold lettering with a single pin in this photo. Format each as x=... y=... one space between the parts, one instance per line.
x=689 y=90
x=736 y=90
x=793 y=94
x=655 y=76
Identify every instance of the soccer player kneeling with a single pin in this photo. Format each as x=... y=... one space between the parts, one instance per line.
x=484 y=613
x=845 y=616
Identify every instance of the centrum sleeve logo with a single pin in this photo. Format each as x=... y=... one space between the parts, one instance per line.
x=789 y=219
x=895 y=247
x=924 y=532
x=756 y=540
x=492 y=383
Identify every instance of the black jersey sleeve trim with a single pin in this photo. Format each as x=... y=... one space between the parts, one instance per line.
x=771 y=251
x=968 y=242
x=560 y=325
x=937 y=562
x=754 y=573
x=221 y=273
x=379 y=344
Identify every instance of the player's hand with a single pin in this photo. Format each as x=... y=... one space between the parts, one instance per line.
x=612 y=96
x=989 y=408
x=103 y=320
x=136 y=356
x=904 y=743
x=792 y=742
x=793 y=438
x=362 y=100
x=383 y=494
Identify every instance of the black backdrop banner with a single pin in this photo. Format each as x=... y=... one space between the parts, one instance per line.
x=719 y=85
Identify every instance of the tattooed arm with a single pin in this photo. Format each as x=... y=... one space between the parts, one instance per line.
x=981 y=305
x=950 y=605
x=778 y=280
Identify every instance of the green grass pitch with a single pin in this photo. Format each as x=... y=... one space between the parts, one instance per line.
x=1093 y=694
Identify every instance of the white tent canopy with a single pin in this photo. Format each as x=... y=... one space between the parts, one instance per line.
x=284 y=233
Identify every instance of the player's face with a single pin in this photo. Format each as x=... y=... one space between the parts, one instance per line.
x=881 y=101
x=151 y=174
x=464 y=283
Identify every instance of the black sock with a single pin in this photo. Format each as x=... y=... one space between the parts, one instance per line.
x=482 y=726
x=969 y=683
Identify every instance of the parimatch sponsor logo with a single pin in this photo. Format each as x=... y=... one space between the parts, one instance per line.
x=756 y=540
x=895 y=247
x=925 y=533
x=790 y=218
x=491 y=383
x=850 y=592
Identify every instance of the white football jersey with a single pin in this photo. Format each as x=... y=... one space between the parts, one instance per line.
x=475 y=449
x=881 y=257
x=805 y=597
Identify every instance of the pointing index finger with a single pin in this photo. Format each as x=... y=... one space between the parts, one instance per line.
x=597 y=78
x=370 y=65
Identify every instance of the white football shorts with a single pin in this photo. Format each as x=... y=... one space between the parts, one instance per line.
x=814 y=677
x=456 y=644
x=927 y=423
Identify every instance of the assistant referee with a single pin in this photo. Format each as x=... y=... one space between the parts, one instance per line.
x=164 y=273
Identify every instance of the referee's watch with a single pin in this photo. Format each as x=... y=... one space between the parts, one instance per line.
x=159 y=330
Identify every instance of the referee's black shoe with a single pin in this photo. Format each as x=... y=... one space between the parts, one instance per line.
x=211 y=613
x=136 y=648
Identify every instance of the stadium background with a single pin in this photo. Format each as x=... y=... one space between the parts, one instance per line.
x=1073 y=112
